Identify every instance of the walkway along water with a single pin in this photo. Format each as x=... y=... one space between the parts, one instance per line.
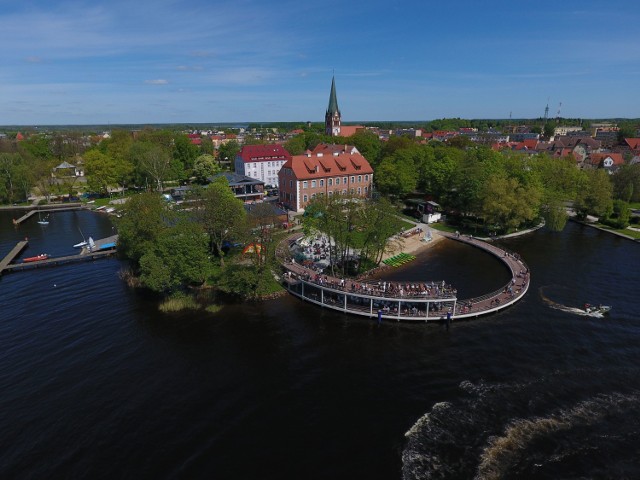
x=403 y=301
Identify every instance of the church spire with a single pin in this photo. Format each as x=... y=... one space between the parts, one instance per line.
x=333 y=99
x=332 y=116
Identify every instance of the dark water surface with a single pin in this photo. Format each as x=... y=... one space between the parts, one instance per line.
x=95 y=383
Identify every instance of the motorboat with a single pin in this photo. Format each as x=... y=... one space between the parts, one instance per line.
x=602 y=309
x=37 y=258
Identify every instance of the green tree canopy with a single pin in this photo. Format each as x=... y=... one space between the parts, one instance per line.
x=220 y=213
x=177 y=257
x=205 y=166
x=144 y=218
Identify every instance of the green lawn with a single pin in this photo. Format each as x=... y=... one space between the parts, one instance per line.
x=625 y=231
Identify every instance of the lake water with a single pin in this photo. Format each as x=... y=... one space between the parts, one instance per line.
x=96 y=383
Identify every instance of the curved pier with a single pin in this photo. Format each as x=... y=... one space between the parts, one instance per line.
x=420 y=302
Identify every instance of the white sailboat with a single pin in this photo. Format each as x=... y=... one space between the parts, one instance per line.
x=43 y=221
x=82 y=243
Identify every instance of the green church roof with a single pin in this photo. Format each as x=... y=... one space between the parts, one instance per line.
x=333 y=99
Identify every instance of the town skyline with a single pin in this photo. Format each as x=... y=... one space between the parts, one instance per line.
x=99 y=63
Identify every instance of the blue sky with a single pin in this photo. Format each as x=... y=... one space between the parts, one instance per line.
x=163 y=61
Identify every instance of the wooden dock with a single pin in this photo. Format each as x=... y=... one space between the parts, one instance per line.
x=101 y=249
x=52 y=262
x=12 y=254
x=24 y=217
x=48 y=209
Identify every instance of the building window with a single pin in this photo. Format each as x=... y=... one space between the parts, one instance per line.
x=330 y=182
x=322 y=183
x=313 y=184
x=359 y=178
x=304 y=198
x=353 y=179
x=305 y=184
x=366 y=178
x=330 y=193
x=359 y=190
x=353 y=191
x=313 y=195
x=365 y=189
x=290 y=183
x=344 y=180
x=337 y=181
x=344 y=192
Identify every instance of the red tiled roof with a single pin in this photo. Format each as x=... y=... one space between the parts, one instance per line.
x=344 y=163
x=597 y=159
x=634 y=143
x=256 y=153
x=348 y=130
x=330 y=149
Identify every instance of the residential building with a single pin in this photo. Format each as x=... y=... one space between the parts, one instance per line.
x=565 y=130
x=328 y=170
x=608 y=161
x=262 y=162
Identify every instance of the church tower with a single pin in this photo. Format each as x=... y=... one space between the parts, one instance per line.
x=332 y=117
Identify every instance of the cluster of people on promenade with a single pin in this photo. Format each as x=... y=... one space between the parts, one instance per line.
x=381 y=288
x=314 y=249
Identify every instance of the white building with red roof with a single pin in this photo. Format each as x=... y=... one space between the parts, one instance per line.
x=328 y=170
x=262 y=162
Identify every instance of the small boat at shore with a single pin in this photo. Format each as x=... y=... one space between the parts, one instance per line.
x=37 y=258
x=84 y=241
x=601 y=309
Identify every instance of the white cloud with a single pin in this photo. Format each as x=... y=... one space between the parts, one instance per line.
x=159 y=81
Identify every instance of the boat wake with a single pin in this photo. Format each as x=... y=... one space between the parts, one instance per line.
x=527 y=431
x=566 y=308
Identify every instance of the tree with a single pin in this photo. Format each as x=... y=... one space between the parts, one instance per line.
x=101 y=171
x=368 y=144
x=626 y=183
x=508 y=203
x=262 y=220
x=228 y=151
x=220 y=213
x=296 y=145
x=9 y=171
x=185 y=152
x=176 y=258
x=548 y=130
x=144 y=218
x=378 y=222
x=621 y=214
x=396 y=175
x=595 y=194
x=205 y=166
x=155 y=162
